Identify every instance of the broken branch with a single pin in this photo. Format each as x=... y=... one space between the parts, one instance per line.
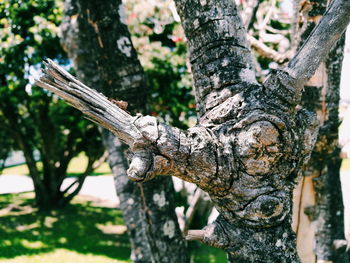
x=94 y=105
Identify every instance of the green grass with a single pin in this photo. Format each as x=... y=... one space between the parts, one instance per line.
x=201 y=253
x=18 y=170
x=76 y=166
x=345 y=166
x=80 y=233
x=61 y=256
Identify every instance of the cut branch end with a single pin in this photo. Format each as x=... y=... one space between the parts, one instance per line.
x=94 y=105
x=195 y=235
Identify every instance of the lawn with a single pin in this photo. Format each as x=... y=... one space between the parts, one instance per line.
x=76 y=166
x=345 y=166
x=81 y=233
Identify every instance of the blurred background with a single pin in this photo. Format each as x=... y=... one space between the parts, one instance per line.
x=44 y=141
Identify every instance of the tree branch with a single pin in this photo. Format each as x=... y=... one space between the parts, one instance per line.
x=321 y=40
x=195 y=234
x=90 y=167
x=94 y=105
x=100 y=161
x=266 y=51
x=249 y=23
x=157 y=148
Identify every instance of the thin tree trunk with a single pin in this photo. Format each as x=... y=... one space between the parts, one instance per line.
x=330 y=224
x=98 y=41
x=322 y=96
x=324 y=166
x=335 y=209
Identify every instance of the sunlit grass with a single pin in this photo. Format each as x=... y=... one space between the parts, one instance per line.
x=201 y=253
x=78 y=164
x=70 y=235
x=18 y=170
x=75 y=167
x=62 y=256
x=80 y=233
x=345 y=166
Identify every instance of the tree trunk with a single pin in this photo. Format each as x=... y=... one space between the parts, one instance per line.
x=329 y=206
x=251 y=141
x=98 y=41
x=335 y=208
x=321 y=95
x=324 y=167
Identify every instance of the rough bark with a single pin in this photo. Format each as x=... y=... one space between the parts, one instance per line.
x=321 y=95
x=248 y=165
x=324 y=165
x=98 y=41
x=252 y=139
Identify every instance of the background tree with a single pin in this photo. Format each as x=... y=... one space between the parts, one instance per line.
x=97 y=39
x=32 y=119
x=252 y=139
x=7 y=146
x=322 y=173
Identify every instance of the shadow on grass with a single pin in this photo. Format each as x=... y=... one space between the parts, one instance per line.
x=201 y=253
x=92 y=174
x=79 y=227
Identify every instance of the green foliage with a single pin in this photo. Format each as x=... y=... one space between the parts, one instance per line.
x=32 y=118
x=75 y=168
x=160 y=42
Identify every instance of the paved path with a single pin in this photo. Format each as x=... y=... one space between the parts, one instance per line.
x=15 y=184
x=97 y=186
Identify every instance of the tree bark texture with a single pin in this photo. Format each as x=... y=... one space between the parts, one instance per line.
x=251 y=140
x=324 y=166
x=321 y=95
x=98 y=41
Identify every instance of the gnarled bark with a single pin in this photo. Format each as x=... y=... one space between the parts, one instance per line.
x=250 y=143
